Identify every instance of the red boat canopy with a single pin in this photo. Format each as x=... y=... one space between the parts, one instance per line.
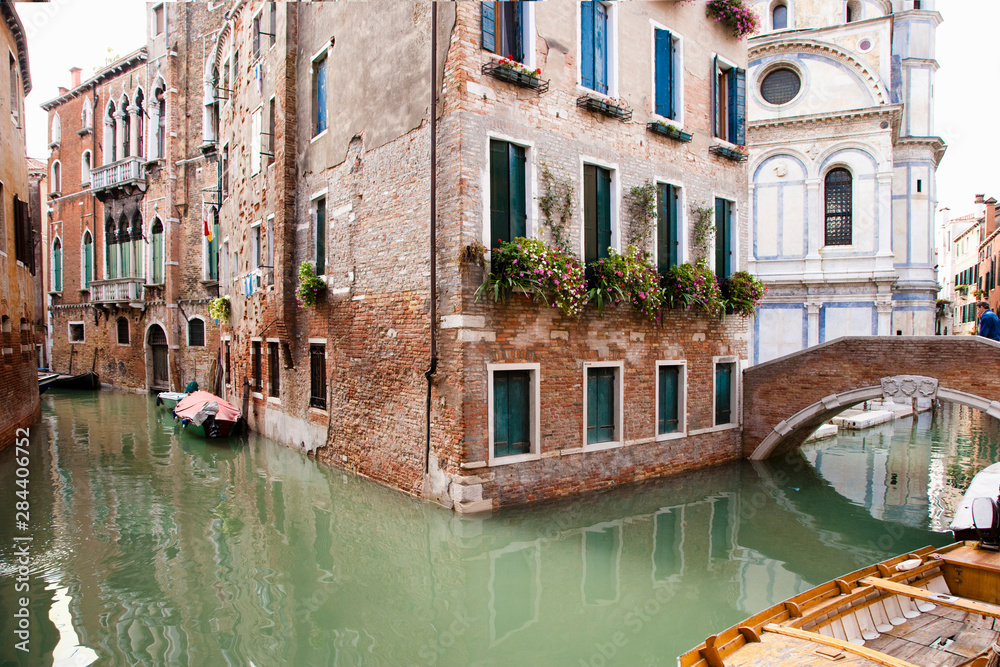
x=192 y=404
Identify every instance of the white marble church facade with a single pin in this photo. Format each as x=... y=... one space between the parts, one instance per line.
x=842 y=170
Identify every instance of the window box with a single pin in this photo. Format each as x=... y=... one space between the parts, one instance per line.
x=669 y=131
x=612 y=109
x=734 y=154
x=525 y=79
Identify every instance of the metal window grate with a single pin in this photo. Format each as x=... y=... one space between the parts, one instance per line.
x=838 y=207
x=780 y=86
x=317 y=374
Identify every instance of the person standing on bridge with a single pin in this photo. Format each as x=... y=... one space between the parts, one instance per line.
x=989 y=323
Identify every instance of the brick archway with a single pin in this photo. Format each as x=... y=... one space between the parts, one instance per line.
x=786 y=399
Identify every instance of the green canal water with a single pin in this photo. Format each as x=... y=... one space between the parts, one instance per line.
x=154 y=548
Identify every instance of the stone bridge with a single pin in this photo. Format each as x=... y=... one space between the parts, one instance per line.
x=786 y=399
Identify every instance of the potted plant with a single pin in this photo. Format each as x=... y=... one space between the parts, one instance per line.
x=310 y=285
x=735 y=15
x=693 y=286
x=743 y=292
x=219 y=309
x=538 y=270
x=612 y=107
x=509 y=70
x=669 y=130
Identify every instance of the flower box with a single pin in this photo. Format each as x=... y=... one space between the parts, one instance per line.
x=612 y=109
x=517 y=76
x=734 y=154
x=669 y=131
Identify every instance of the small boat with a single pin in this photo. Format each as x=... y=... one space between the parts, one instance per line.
x=986 y=484
x=45 y=380
x=208 y=416
x=88 y=380
x=928 y=607
x=169 y=399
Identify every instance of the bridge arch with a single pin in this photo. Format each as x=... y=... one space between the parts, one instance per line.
x=786 y=399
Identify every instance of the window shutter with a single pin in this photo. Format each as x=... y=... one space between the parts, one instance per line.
x=600 y=47
x=667 y=421
x=664 y=45
x=587 y=44
x=715 y=96
x=590 y=213
x=517 y=44
x=738 y=106
x=723 y=239
x=603 y=211
x=723 y=394
x=518 y=209
x=666 y=246
x=675 y=221
x=501 y=416
x=489 y=26
x=88 y=263
x=499 y=193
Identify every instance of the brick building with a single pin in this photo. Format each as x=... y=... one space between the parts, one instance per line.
x=18 y=314
x=325 y=141
x=130 y=274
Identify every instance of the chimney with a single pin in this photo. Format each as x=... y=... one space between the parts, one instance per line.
x=63 y=90
x=74 y=76
x=980 y=199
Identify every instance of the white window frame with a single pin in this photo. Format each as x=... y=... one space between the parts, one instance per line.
x=55 y=130
x=270 y=241
x=255 y=139
x=83 y=328
x=204 y=326
x=276 y=400
x=57 y=238
x=534 y=408
x=678 y=46
x=314 y=219
x=326 y=366
x=322 y=53
x=254 y=392
x=224 y=272
x=257 y=248
x=86 y=171
x=734 y=391
x=530 y=188
x=681 y=431
x=83 y=258
x=619 y=440
x=55 y=182
x=152 y=19
x=789 y=13
x=87 y=115
x=616 y=197
x=612 y=7
x=724 y=65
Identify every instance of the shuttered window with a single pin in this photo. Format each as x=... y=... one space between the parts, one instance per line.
x=511 y=413
x=57 y=266
x=730 y=102
x=664 y=77
x=317 y=376
x=724 y=394
x=319 y=95
x=601 y=410
x=723 y=238
x=255 y=361
x=669 y=399
x=156 y=259
x=838 y=207
x=273 y=370
x=24 y=242
x=502 y=31
x=667 y=227
x=320 y=215
x=594 y=45
x=779 y=17
x=88 y=259
x=508 y=208
x=596 y=212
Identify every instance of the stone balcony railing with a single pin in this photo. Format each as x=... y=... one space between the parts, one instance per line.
x=127 y=173
x=118 y=290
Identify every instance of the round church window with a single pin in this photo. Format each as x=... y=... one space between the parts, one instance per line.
x=780 y=86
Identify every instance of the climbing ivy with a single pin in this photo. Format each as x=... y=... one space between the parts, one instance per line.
x=556 y=204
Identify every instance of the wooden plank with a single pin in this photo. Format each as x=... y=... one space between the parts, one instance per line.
x=845 y=646
x=972 y=642
x=954 y=601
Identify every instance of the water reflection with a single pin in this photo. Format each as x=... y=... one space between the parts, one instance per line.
x=161 y=548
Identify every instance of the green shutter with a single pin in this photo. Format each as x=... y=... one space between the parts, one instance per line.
x=157 y=258
x=590 y=213
x=720 y=529
x=489 y=26
x=511 y=413
x=715 y=96
x=213 y=253
x=723 y=239
x=664 y=47
x=723 y=394
x=499 y=193
x=518 y=208
x=737 y=106
x=603 y=212
x=669 y=403
x=600 y=405
x=667 y=556
x=57 y=267
x=667 y=233
x=320 y=236
x=88 y=263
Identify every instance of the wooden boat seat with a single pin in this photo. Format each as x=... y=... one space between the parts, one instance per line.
x=965 y=604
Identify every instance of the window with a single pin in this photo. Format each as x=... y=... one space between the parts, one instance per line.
x=110 y=139
x=594 y=45
x=603 y=403
x=256 y=136
x=56 y=177
x=225 y=171
x=255 y=251
x=85 y=164
x=730 y=102
x=255 y=361
x=3 y=223
x=723 y=238
x=270 y=242
x=508 y=207
x=273 y=22
x=669 y=398
x=55 y=135
x=270 y=131
x=256 y=38
x=226 y=90
x=667 y=74
x=503 y=29
x=228 y=368
x=596 y=212
x=668 y=229
x=273 y=370
x=725 y=393
x=212 y=246
x=139 y=115
x=121 y=325
x=920 y=185
x=196 y=332
x=319 y=94
x=157 y=20
x=57 y=266
x=87 y=115
x=156 y=253
x=853 y=11
x=780 y=86
x=88 y=259
x=14 y=100
x=125 y=129
x=513 y=411
x=319 y=218
x=838 y=207
x=236 y=67
x=76 y=332
x=24 y=243
x=160 y=99
x=779 y=17
x=317 y=376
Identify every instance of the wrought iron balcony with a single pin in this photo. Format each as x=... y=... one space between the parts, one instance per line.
x=127 y=175
x=118 y=290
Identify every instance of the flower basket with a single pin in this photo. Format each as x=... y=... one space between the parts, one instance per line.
x=663 y=129
x=538 y=270
x=693 y=286
x=219 y=309
x=735 y=15
x=733 y=154
x=311 y=286
x=610 y=108
x=628 y=277
x=743 y=293
x=517 y=75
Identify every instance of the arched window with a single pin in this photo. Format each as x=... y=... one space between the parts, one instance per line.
x=196 y=332
x=88 y=259
x=85 y=165
x=56 y=177
x=161 y=129
x=87 y=114
x=56 y=133
x=779 y=17
x=212 y=247
x=139 y=125
x=110 y=248
x=124 y=249
x=110 y=134
x=838 y=207
x=853 y=11
x=122 y=326
x=125 y=131
x=156 y=253
x=135 y=245
x=57 y=265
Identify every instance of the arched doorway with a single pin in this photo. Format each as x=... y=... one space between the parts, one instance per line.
x=157 y=340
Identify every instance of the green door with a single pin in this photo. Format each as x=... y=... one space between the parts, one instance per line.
x=511 y=413
x=600 y=405
x=669 y=403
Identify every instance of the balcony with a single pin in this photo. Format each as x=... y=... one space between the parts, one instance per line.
x=124 y=176
x=118 y=291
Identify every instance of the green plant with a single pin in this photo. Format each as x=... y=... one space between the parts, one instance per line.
x=629 y=277
x=510 y=63
x=541 y=271
x=703 y=229
x=556 y=205
x=693 y=286
x=310 y=285
x=641 y=206
x=474 y=253
x=219 y=308
x=735 y=15
x=743 y=292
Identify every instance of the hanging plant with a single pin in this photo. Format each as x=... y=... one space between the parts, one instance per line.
x=532 y=267
x=219 y=309
x=735 y=15
x=310 y=285
x=472 y=254
x=693 y=286
x=629 y=277
x=743 y=292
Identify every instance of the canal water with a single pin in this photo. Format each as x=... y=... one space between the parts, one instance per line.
x=154 y=548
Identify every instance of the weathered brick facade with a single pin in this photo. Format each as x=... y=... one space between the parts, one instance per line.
x=369 y=171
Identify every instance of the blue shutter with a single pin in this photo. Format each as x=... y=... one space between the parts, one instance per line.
x=600 y=48
x=664 y=46
x=321 y=96
x=714 y=85
x=738 y=106
x=587 y=43
x=518 y=46
x=489 y=26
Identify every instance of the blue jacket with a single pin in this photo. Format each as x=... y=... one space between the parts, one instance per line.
x=989 y=325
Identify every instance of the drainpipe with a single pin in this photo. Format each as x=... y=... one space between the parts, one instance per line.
x=433 y=314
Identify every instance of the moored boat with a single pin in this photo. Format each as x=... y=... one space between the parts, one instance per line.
x=169 y=399
x=986 y=484
x=208 y=416
x=936 y=607
x=88 y=380
x=45 y=380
